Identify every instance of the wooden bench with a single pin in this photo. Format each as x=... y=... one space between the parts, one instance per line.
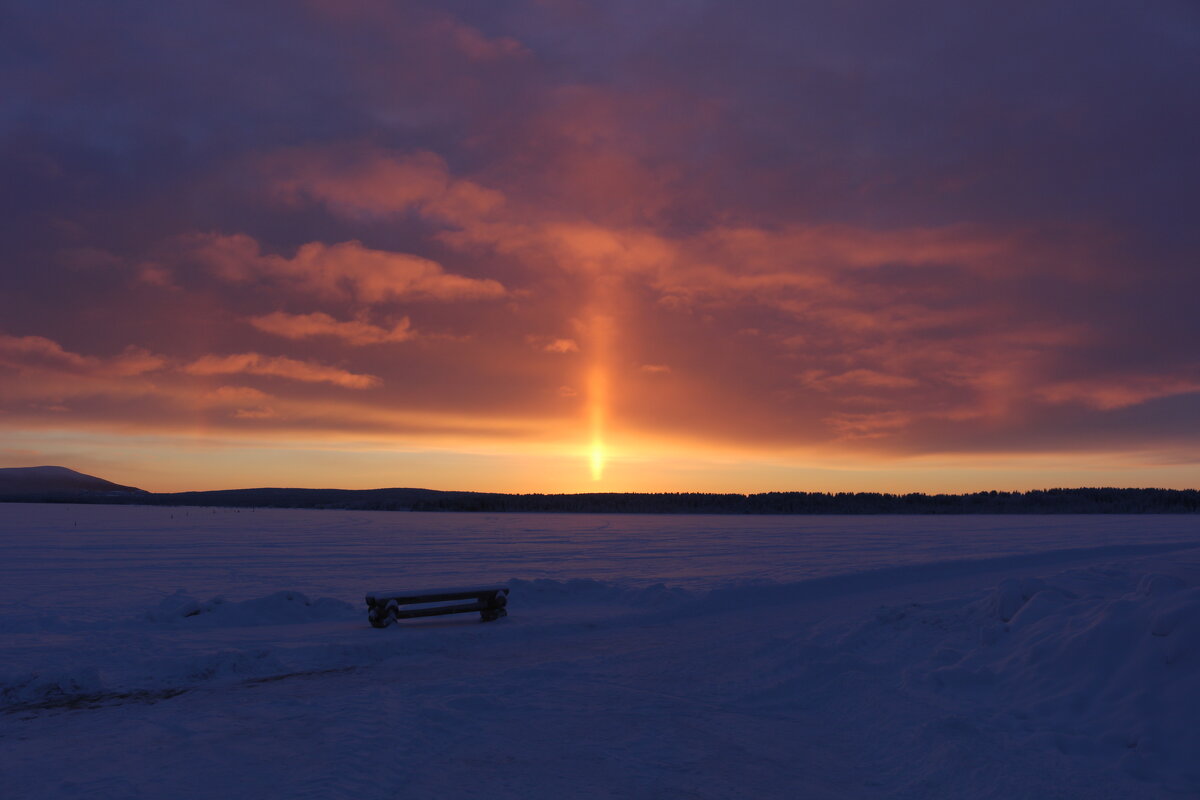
x=384 y=608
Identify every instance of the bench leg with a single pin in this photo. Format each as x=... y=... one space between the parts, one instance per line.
x=381 y=616
x=492 y=614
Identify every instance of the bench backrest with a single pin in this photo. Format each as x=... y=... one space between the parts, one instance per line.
x=435 y=595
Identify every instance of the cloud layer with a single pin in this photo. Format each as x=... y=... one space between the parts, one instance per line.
x=810 y=231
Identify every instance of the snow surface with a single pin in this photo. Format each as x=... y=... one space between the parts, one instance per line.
x=203 y=653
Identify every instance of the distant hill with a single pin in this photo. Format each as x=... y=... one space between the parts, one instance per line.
x=362 y=499
x=1047 y=501
x=59 y=483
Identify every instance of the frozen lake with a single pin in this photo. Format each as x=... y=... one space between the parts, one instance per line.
x=72 y=557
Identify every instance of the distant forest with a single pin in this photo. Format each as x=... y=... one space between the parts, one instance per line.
x=1048 y=501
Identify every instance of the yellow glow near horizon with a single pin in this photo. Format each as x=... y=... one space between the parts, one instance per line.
x=597 y=460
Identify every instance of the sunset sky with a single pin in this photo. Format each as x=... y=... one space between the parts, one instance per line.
x=549 y=245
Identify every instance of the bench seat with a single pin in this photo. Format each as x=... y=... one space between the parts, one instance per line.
x=384 y=608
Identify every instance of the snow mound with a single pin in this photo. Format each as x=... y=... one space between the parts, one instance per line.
x=49 y=687
x=1095 y=663
x=107 y=683
x=279 y=608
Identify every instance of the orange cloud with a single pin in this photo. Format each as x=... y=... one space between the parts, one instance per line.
x=355 y=332
x=19 y=351
x=278 y=367
x=135 y=361
x=864 y=378
x=869 y=425
x=238 y=394
x=244 y=402
x=347 y=270
x=366 y=183
x=1123 y=392
x=562 y=346
x=254 y=413
x=40 y=352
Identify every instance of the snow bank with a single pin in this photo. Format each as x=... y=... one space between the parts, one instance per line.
x=292 y=607
x=1093 y=672
x=143 y=658
x=50 y=686
x=159 y=655
x=1098 y=663
x=280 y=608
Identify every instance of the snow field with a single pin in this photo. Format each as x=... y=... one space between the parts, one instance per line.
x=1031 y=669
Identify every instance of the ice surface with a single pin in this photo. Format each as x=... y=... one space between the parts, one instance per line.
x=179 y=653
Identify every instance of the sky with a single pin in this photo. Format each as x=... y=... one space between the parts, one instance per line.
x=571 y=245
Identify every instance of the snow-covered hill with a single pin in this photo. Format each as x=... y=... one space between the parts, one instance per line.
x=33 y=481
